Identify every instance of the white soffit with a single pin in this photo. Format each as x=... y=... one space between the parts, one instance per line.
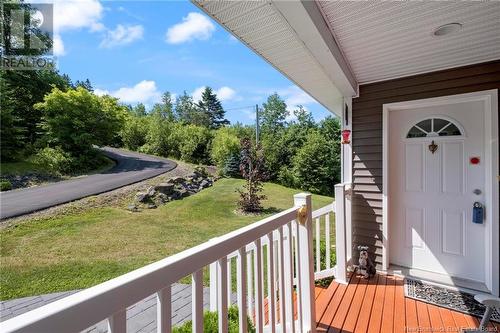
x=385 y=40
x=262 y=27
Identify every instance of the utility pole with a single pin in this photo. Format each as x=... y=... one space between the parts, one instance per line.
x=257 y=124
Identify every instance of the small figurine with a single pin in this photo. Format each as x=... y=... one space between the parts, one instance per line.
x=366 y=266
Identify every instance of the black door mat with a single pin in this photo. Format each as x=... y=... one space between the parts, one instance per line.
x=447 y=298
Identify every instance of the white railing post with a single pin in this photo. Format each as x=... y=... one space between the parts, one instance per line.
x=340 y=234
x=305 y=250
x=213 y=286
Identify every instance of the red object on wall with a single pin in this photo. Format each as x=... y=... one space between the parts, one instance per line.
x=346 y=136
x=475 y=160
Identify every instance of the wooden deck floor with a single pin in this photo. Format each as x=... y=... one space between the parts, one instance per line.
x=378 y=305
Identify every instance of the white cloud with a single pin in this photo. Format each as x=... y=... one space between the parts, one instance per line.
x=143 y=92
x=193 y=26
x=58 y=45
x=223 y=94
x=122 y=35
x=77 y=14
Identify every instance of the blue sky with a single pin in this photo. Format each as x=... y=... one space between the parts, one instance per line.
x=137 y=50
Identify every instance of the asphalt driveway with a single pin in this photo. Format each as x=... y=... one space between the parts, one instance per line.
x=130 y=168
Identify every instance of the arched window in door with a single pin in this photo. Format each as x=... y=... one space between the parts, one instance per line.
x=434 y=127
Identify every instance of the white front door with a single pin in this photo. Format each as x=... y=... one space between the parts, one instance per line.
x=437 y=172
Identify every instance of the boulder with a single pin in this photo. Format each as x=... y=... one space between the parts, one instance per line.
x=141 y=196
x=151 y=191
x=183 y=193
x=151 y=206
x=133 y=208
x=165 y=188
x=178 y=180
x=204 y=183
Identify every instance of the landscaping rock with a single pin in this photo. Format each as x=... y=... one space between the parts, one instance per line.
x=151 y=206
x=204 y=184
x=141 y=196
x=178 y=180
x=183 y=193
x=151 y=191
x=132 y=208
x=165 y=188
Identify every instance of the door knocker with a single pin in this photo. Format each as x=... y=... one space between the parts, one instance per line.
x=433 y=147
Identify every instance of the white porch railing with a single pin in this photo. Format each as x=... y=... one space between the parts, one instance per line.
x=274 y=260
x=288 y=249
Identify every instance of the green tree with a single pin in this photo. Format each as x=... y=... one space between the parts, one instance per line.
x=304 y=118
x=134 y=132
x=212 y=107
x=165 y=109
x=11 y=137
x=77 y=119
x=20 y=91
x=84 y=84
x=194 y=143
x=274 y=113
x=139 y=110
x=313 y=166
x=158 y=136
x=186 y=110
x=224 y=145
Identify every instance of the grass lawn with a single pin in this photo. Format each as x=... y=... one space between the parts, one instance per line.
x=19 y=168
x=78 y=251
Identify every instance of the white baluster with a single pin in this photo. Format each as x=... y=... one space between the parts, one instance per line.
x=281 y=280
x=259 y=309
x=222 y=293
x=197 y=301
x=288 y=276
x=271 y=301
x=298 y=274
x=213 y=286
x=229 y=281
x=164 y=310
x=318 y=246
x=250 y=282
x=327 y=241
x=117 y=323
x=241 y=279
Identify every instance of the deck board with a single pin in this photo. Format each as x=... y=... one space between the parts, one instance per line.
x=378 y=305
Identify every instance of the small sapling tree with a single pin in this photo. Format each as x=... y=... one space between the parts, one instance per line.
x=252 y=170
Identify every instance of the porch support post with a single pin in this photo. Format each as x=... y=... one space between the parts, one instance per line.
x=340 y=234
x=306 y=267
x=213 y=286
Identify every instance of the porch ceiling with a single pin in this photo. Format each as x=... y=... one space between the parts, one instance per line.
x=384 y=40
x=262 y=27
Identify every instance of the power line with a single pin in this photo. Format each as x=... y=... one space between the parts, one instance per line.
x=240 y=108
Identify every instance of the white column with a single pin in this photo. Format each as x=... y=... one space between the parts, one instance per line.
x=305 y=250
x=340 y=234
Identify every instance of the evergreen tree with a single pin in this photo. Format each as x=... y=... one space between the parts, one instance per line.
x=304 y=118
x=84 y=84
x=139 y=110
x=274 y=113
x=165 y=109
x=212 y=107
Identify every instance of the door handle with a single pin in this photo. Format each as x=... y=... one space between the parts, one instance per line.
x=477 y=213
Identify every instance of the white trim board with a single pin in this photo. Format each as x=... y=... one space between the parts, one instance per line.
x=490 y=99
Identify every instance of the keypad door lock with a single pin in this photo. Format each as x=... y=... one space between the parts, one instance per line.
x=477 y=213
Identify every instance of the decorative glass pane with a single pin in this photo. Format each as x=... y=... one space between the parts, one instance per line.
x=426 y=125
x=450 y=130
x=416 y=133
x=439 y=124
x=433 y=127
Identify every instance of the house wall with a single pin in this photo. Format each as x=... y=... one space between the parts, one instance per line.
x=367 y=136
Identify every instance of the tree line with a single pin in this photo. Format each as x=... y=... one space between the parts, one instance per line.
x=55 y=122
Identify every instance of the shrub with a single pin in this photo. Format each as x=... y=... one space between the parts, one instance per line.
x=252 y=169
x=54 y=160
x=134 y=132
x=211 y=323
x=194 y=143
x=314 y=165
x=77 y=119
x=158 y=138
x=232 y=167
x=224 y=145
x=5 y=185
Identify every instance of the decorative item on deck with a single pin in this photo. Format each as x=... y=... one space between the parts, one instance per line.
x=366 y=266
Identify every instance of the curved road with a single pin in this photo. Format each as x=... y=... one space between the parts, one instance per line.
x=130 y=168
